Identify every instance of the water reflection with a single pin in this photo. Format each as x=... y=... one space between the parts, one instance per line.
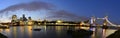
x=104 y=33
x=51 y=31
x=30 y=31
x=14 y=32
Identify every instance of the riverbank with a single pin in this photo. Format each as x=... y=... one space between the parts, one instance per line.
x=3 y=36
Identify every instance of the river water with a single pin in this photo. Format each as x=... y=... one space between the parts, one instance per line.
x=51 y=32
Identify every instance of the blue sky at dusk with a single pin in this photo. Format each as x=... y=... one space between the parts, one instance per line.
x=88 y=8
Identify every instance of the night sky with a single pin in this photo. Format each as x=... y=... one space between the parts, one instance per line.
x=87 y=8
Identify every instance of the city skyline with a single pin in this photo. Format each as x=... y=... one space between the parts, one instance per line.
x=85 y=8
x=59 y=18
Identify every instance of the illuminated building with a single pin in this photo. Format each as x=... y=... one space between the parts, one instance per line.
x=24 y=18
x=59 y=21
x=21 y=22
x=30 y=21
x=14 y=18
x=39 y=22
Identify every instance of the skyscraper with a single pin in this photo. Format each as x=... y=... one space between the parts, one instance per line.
x=29 y=18
x=24 y=18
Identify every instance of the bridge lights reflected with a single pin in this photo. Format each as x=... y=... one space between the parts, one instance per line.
x=86 y=28
x=103 y=33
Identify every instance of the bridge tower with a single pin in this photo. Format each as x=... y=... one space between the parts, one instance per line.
x=105 y=21
x=92 y=21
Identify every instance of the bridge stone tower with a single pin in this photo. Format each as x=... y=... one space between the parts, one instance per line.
x=105 y=21
x=92 y=21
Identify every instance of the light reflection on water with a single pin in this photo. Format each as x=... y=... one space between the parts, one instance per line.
x=50 y=31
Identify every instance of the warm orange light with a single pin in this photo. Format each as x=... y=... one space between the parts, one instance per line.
x=59 y=21
x=30 y=31
x=82 y=23
x=30 y=23
x=22 y=23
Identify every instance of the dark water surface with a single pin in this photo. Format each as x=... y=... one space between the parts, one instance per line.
x=51 y=32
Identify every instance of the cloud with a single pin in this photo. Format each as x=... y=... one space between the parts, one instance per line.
x=39 y=10
x=66 y=16
x=29 y=6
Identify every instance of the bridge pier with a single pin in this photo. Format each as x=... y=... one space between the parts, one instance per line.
x=104 y=27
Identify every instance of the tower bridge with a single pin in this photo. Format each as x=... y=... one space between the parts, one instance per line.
x=106 y=22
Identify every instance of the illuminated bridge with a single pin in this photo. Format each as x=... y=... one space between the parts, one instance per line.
x=106 y=22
